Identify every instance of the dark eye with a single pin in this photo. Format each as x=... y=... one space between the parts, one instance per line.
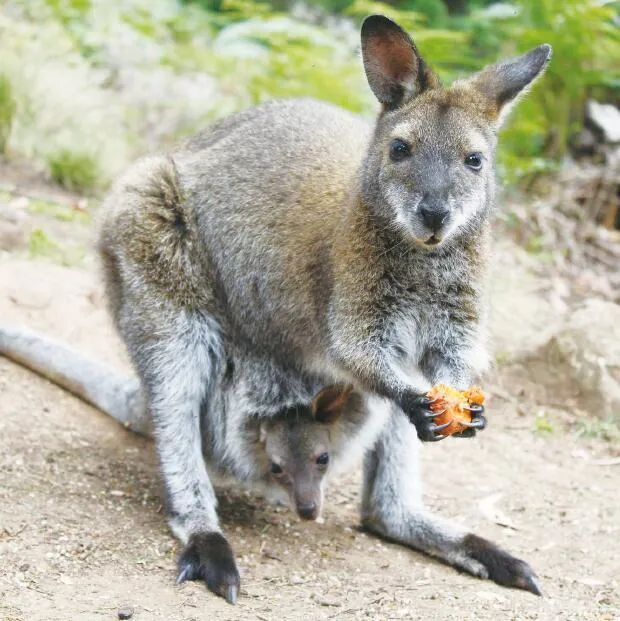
x=399 y=150
x=322 y=459
x=474 y=161
x=276 y=468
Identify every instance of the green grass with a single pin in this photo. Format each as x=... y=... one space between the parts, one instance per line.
x=7 y=112
x=608 y=430
x=74 y=170
x=41 y=245
x=543 y=425
x=64 y=213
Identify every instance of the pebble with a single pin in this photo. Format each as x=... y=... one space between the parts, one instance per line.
x=126 y=612
x=12 y=236
x=323 y=600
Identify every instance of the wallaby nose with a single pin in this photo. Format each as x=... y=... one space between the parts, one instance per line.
x=308 y=511
x=433 y=217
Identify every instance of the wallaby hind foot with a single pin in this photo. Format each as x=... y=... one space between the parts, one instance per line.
x=392 y=508
x=209 y=557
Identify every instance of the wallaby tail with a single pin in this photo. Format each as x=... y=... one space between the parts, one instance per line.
x=114 y=394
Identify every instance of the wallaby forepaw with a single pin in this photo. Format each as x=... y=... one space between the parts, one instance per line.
x=209 y=557
x=501 y=567
x=420 y=414
x=478 y=422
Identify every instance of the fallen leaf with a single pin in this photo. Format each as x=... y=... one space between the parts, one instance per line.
x=492 y=513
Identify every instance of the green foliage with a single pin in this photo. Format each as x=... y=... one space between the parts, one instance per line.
x=586 y=61
x=289 y=59
x=7 y=111
x=608 y=430
x=129 y=76
x=74 y=170
x=41 y=245
x=543 y=425
x=435 y=11
x=64 y=213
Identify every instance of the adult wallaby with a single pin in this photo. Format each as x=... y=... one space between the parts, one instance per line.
x=286 y=446
x=333 y=248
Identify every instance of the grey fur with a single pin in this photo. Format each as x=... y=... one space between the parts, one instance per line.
x=256 y=415
x=115 y=394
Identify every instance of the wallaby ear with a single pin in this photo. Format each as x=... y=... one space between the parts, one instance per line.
x=329 y=403
x=503 y=82
x=394 y=68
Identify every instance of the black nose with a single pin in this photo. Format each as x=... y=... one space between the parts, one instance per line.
x=307 y=512
x=433 y=217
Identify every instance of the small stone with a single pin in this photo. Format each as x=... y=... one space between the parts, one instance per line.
x=323 y=600
x=126 y=612
x=24 y=568
x=12 y=236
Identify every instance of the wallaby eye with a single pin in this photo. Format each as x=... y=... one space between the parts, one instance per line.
x=474 y=161
x=399 y=150
x=322 y=459
x=276 y=468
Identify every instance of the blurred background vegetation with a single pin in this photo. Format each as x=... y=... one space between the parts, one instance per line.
x=87 y=85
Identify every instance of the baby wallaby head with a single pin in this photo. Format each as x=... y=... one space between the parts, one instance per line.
x=298 y=444
x=429 y=172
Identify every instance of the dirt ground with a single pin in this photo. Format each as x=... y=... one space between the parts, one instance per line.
x=83 y=533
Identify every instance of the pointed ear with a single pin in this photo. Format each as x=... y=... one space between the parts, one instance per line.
x=327 y=406
x=394 y=68
x=502 y=83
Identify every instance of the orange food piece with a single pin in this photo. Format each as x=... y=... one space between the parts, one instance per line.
x=451 y=405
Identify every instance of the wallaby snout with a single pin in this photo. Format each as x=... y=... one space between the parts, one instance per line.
x=308 y=498
x=434 y=217
x=308 y=511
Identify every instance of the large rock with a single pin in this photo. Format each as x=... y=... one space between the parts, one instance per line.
x=582 y=360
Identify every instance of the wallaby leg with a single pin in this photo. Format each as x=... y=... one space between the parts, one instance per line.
x=392 y=507
x=177 y=370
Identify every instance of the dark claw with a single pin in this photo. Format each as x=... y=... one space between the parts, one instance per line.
x=435 y=428
x=475 y=408
x=184 y=574
x=419 y=413
x=231 y=594
x=209 y=557
x=501 y=566
x=476 y=423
